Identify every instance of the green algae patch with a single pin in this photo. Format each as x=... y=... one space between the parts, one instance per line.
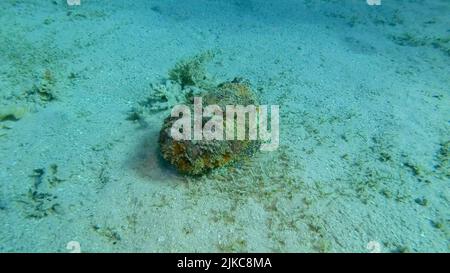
x=192 y=71
x=408 y=39
x=443 y=158
x=43 y=91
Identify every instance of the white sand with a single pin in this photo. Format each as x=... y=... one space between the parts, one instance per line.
x=363 y=119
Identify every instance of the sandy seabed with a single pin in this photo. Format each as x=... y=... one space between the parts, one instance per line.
x=363 y=163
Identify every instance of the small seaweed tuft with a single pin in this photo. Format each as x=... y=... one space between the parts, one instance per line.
x=443 y=158
x=192 y=71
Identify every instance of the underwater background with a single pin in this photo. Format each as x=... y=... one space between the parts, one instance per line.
x=364 y=96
